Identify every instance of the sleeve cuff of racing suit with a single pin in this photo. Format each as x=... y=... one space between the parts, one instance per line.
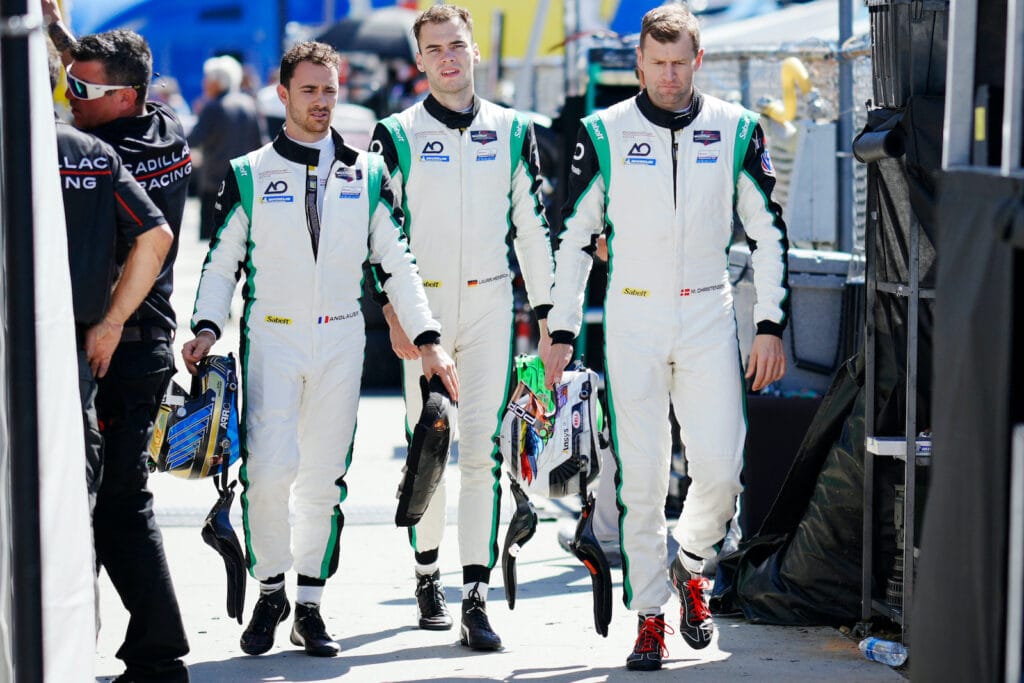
x=562 y=337
x=428 y=337
x=768 y=327
x=206 y=325
x=542 y=311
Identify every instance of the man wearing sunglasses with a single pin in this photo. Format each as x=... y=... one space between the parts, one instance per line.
x=108 y=80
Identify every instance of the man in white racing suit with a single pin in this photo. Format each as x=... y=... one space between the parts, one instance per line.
x=663 y=173
x=299 y=216
x=469 y=177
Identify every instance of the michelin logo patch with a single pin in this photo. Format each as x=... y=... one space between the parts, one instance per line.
x=640 y=153
x=434 y=151
x=707 y=157
x=276 y=192
x=486 y=155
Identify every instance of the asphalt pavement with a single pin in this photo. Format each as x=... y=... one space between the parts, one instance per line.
x=370 y=609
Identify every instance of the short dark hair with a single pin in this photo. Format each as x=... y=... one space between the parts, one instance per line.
x=125 y=56
x=439 y=14
x=308 y=51
x=666 y=24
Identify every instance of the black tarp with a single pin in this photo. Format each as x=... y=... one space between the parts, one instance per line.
x=804 y=564
x=960 y=608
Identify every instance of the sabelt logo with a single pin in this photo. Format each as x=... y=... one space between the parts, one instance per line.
x=633 y=291
x=277 y=320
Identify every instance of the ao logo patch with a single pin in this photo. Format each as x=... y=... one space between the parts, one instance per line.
x=640 y=153
x=434 y=151
x=276 y=192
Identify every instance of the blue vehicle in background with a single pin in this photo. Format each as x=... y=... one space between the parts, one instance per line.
x=184 y=33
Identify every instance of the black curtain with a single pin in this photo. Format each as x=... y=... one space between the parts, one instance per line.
x=960 y=609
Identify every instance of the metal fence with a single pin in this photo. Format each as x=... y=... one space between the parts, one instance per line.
x=753 y=77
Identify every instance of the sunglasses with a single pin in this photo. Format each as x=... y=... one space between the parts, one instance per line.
x=82 y=90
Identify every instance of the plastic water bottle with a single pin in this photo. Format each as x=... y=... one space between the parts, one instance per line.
x=884 y=651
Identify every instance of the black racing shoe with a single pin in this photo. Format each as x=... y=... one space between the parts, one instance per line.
x=476 y=629
x=308 y=632
x=649 y=647
x=430 y=600
x=271 y=609
x=695 y=622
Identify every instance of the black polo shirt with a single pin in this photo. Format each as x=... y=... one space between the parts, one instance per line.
x=154 y=150
x=103 y=206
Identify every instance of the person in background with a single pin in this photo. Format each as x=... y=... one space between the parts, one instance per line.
x=108 y=77
x=228 y=126
x=665 y=171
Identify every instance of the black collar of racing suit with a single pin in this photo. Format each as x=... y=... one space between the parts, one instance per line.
x=452 y=119
x=310 y=156
x=669 y=119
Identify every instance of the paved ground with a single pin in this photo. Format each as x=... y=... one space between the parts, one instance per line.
x=369 y=605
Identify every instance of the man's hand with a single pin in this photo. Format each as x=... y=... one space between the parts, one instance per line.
x=51 y=11
x=555 y=359
x=197 y=349
x=436 y=361
x=767 y=362
x=101 y=341
x=400 y=342
x=544 y=344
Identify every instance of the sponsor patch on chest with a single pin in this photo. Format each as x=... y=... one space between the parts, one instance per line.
x=707 y=137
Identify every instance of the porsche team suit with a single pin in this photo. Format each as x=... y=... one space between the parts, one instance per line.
x=129 y=545
x=469 y=186
x=302 y=332
x=665 y=186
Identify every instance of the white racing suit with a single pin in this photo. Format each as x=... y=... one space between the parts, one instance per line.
x=664 y=186
x=470 y=188
x=302 y=334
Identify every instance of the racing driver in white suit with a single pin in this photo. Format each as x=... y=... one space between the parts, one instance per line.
x=299 y=217
x=469 y=177
x=663 y=173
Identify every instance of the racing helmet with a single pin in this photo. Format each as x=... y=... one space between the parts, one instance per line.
x=195 y=433
x=552 y=439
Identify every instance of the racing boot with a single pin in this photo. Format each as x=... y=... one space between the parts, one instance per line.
x=649 y=647
x=476 y=629
x=430 y=600
x=695 y=622
x=271 y=609
x=308 y=632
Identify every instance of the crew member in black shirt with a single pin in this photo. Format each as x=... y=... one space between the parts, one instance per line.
x=108 y=78
x=103 y=204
